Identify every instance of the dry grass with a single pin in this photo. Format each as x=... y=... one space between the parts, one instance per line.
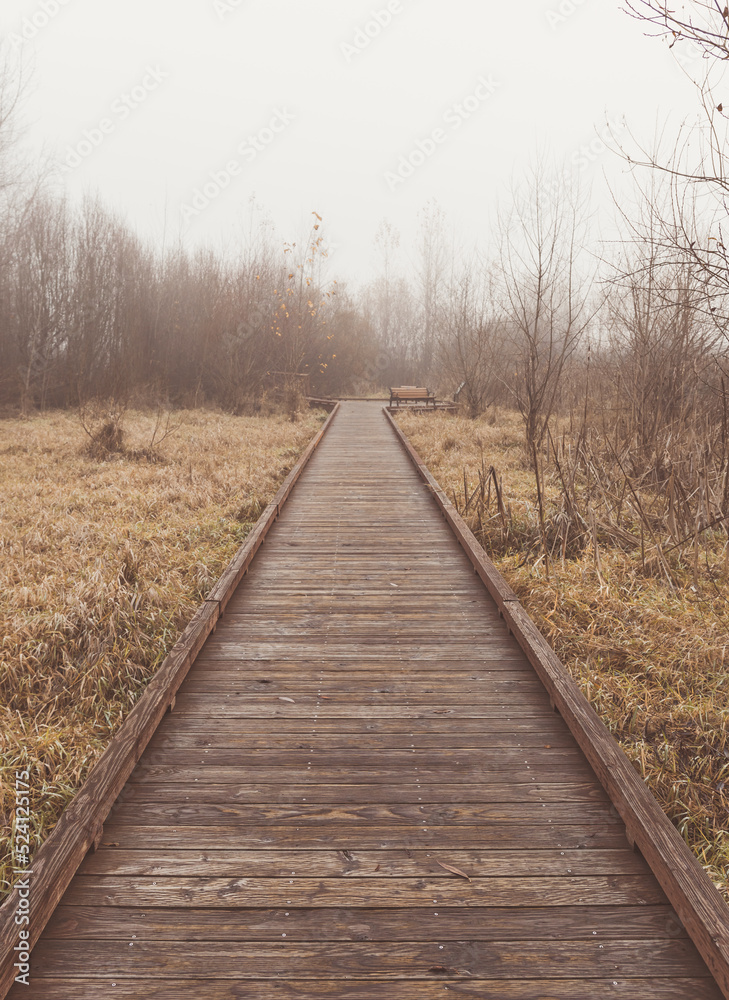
x=102 y=562
x=640 y=621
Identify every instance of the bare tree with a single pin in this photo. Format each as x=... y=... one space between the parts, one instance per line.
x=469 y=338
x=390 y=309
x=690 y=228
x=661 y=348
x=13 y=89
x=39 y=297
x=387 y=244
x=545 y=299
x=302 y=298
x=684 y=209
x=431 y=269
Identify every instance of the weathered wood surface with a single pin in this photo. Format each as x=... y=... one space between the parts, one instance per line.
x=360 y=864
x=81 y=824
x=341 y=837
x=689 y=888
x=433 y=983
x=363 y=791
x=392 y=960
x=487 y=923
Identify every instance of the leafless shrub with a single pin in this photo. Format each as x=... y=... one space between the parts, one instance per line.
x=103 y=424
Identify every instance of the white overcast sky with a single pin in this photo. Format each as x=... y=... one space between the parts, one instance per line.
x=204 y=77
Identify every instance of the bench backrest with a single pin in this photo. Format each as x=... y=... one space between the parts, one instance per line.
x=409 y=392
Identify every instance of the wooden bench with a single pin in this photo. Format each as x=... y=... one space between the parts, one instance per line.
x=411 y=394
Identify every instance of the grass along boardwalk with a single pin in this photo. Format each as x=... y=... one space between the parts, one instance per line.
x=364 y=791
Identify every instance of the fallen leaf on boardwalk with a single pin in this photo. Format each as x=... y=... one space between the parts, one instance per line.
x=109 y=843
x=438 y=968
x=281 y=698
x=456 y=871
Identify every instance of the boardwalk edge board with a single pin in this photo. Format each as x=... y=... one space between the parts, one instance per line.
x=81 y=824
x=693 y=895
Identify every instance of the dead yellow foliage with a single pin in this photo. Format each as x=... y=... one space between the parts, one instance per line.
x=102 y=563
x=644 y=632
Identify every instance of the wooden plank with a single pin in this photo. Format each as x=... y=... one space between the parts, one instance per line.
x=695 y=898
x=465 y=591
x=358 y=864
x=359 y=816
x=597 y=988
x=435 y=725
x=498 y=670
x=493 y=761
x=504 y=696
x=415 y=775
x=306 y=649
x=347 y=794
x=231 y=738
x=485 y=923
x=511 y=662
x=580 y=836
x=312 y=595
x=411 y=560
x=340 y=688
x=81 y=822
x=210 y=692
x=396 y=893
x=486 y=623
x=396 y=960
x=194 y=705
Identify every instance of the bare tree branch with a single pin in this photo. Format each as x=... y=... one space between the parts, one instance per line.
x=706 y=23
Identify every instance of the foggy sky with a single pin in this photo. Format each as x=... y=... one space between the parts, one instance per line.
x=179 y=111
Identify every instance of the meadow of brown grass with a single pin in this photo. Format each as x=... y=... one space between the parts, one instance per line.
x=633 y=601
x=104 y=556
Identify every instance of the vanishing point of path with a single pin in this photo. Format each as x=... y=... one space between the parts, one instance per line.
x=363 y=792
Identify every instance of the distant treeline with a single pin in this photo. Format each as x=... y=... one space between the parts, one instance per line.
x=88 y=310
x=550 y=320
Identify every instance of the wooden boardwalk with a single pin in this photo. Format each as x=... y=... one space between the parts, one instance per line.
x=363 y=791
